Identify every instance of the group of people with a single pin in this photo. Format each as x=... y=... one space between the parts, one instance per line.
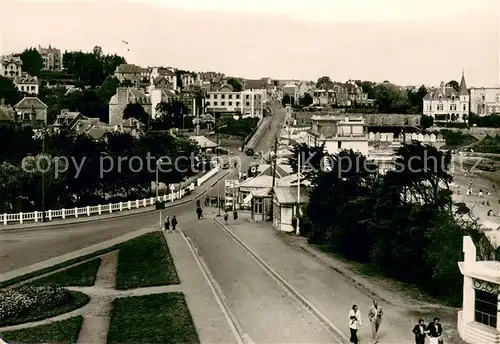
x=212 y=201
x=433 y=331
x=169 y=222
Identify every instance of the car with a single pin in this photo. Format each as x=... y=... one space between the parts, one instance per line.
x=250 y=152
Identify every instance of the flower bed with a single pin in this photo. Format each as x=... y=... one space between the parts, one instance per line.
x=29 y=303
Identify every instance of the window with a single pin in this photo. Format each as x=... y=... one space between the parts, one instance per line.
x=214 y=95
x=215 y=103
x=32 y=88
x=339 y=145
x=465 y=107
x=230 y=96
x=485 y=308
x=222 y=96
x=223 y=103
x=237 y=96
x=237 y=103
x=247 y=96
x=208 y=103
x=257 y=206
x=247 y=103
x=230 y=103
x=440 y=107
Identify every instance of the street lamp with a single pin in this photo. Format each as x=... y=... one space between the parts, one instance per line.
x=158 y=163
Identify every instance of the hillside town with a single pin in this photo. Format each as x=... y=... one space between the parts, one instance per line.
x=291 y=210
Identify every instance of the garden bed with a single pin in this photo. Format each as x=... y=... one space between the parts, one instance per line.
x=82 y=275
x=145 y=262
x=32 y=303
x=60 y=332
x=159 y=318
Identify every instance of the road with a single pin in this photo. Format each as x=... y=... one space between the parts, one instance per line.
x=265 y=311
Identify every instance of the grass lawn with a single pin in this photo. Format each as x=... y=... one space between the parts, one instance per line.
x=60 y=332
x=82 y=275
x=77 y=300
x=153 y=319
x=144 y=262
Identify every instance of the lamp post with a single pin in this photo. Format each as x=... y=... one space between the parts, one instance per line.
x=217 y=117
x=43 y=177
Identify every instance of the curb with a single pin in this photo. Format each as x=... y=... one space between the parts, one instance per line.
x=122 y=214
x=334 y=329
x=218 y=295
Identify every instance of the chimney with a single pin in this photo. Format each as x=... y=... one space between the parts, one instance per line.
x=122 y=95
x=443 y=86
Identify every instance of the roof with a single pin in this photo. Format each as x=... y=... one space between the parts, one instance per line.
x=132 y=123
x=125 y=68
x=165 y=72
x=256 y=84
x=30 y=103
x=203 y=142
x=11 y=59
x=261 y=192
x=159 y=79
x=168 y=93
x=97 y=132
x=258 y=182
x=26 y=80
x=6 y=113
x=267 y=170
x=289 y=194
x=463 y=86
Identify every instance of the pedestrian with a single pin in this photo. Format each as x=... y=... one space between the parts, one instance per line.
x=226 y=217
x=199 y=212
x=420 y=332
x=354 y=323
x=167 y=223
x=207 y=201
x=174 y=222
x=235 y=214
x=435 y=331
x=480 y=193
x=375 y=316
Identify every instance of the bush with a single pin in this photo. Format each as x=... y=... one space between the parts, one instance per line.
x=492 y=121
x=242 y=127
x=455 y=139
x=490 y=144
x=18 y=302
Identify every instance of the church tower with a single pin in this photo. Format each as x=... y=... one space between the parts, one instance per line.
x=464 y=100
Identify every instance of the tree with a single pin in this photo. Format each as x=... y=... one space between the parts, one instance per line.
x=311 y=159
x=426 y=121
x=9 y=92
x=454 y=84
x=306 y=100
x=32 y=61
x=172 y=115
x=108 y=88
x=287 y=100
x=324 y=83
x=416 y=99
x=135 y=110
x=236 y=84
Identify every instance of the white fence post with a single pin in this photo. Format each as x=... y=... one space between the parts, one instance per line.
x=5 y=219
x=110 y=208
x=21 y=218
x=99 y=209
x=63 y=213
x=50 y=215
x=145 y=202
x=121 y=206
x=137 y=205
x=165 y=198
x=36 y=216
x=76 y=212
x=129 y=205
x=88 y=210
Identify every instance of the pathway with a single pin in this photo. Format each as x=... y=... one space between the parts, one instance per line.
x=209 y=320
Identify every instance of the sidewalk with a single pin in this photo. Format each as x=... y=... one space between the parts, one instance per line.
x=198 y=192
x=208 y=318
x=331 y=292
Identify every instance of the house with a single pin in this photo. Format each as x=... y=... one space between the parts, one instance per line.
x=285 y=200
x=27 y=84
x=188 y=79
x=31 y=111
x=204 y=143
x=444 y=104
x=291 y=90
x=123 y=97
x=225 y=99
x=67 y=119
x=11 y=66
x=485 y=101
x=159 y=95
x=338 y=133
x=52 y=58
x=136 y=75
x=193 y=99
x=478 y=318
x=131 y=126
x=166 y=73
x=341 y=95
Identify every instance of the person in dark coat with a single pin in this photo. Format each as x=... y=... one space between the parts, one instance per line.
x=199 y=212
x=167 y=223
x=226 y=217
x=420 y=332
x=174 y=222
x=435 y=330
x=207 y=201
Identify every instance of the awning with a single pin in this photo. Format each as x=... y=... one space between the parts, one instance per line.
x=247 y=199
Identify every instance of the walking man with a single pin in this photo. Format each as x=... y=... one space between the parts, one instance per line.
x=354 y=323
x=174 y=222
x=375 y=316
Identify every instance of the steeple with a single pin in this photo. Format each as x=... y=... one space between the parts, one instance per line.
x=463 y=86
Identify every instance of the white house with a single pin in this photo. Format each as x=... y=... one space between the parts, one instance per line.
x=225 y=99
x=27 y=84
x=485 y=101
x=285 y=201
x=11 y=66
x=166 y=73
x=444 y=104
x=338 y=133
x=478 y=320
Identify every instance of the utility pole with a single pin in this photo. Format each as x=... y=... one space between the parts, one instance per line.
x=297 y=230
x=43 y=176
x=218 y=162
x=274 y=170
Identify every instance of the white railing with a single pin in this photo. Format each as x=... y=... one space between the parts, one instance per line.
x=102 y=209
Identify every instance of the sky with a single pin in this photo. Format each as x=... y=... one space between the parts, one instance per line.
x=408 y=42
